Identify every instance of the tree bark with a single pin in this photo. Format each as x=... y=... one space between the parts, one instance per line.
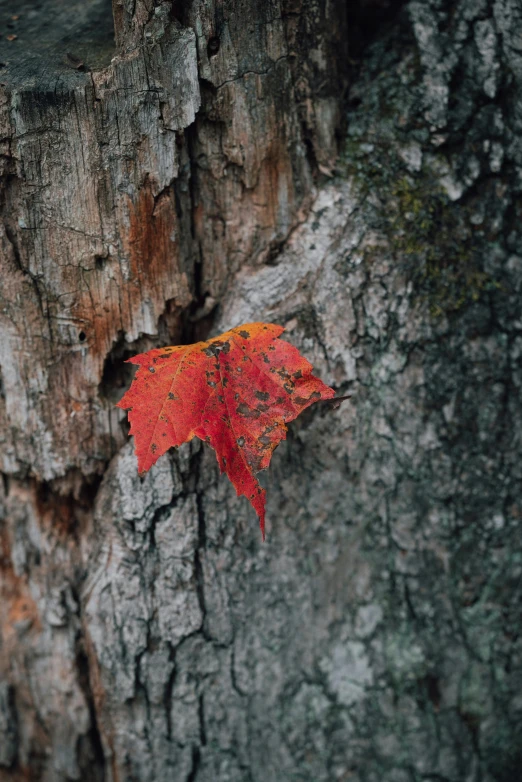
x=353 y=172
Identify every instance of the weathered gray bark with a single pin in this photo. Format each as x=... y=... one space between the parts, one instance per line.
x=189 y=184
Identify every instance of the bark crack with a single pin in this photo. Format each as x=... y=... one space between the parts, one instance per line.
x=249 y=73
x=98 y=772
x=200 y=547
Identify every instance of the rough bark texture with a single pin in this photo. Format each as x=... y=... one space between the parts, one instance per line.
x=183 y=187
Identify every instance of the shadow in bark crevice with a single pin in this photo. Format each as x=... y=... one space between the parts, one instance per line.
x=368 y=19
x=91 y=757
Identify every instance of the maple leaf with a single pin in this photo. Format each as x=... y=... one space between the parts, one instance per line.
x=236 y=392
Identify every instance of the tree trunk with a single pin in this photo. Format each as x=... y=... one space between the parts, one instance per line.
x=352 y=171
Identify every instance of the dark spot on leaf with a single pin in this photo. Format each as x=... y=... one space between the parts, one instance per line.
x=226 y=347
x=164 y=355
x=241 y=441
x=153 y=447
x=224 y=462
x=225 y=381
x=298 y=374
x=255 y=462
x=207 y=438
x=265 y=358
x=244 y=334
x=211 y=383
x=171 y=395
x=221 y=398
x=236 y=397
x=248 y=412
x=263 y=395
x=210 y=351
x=299 y=400
x=271 y=347
x=288 y=388
x=264 y=439
x=315 y=395
x=151 y=369
x=262 y=408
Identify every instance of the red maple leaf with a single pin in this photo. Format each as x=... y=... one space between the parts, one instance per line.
x=235 y=392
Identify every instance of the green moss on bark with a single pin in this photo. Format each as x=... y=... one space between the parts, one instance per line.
x=435 y=238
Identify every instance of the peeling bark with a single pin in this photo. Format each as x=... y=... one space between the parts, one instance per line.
x=205 y=173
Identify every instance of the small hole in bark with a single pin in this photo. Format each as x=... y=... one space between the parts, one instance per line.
x=213 y=46
x=3 y=65
x=99 y=261
x=82 y=336
x=273 y=257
